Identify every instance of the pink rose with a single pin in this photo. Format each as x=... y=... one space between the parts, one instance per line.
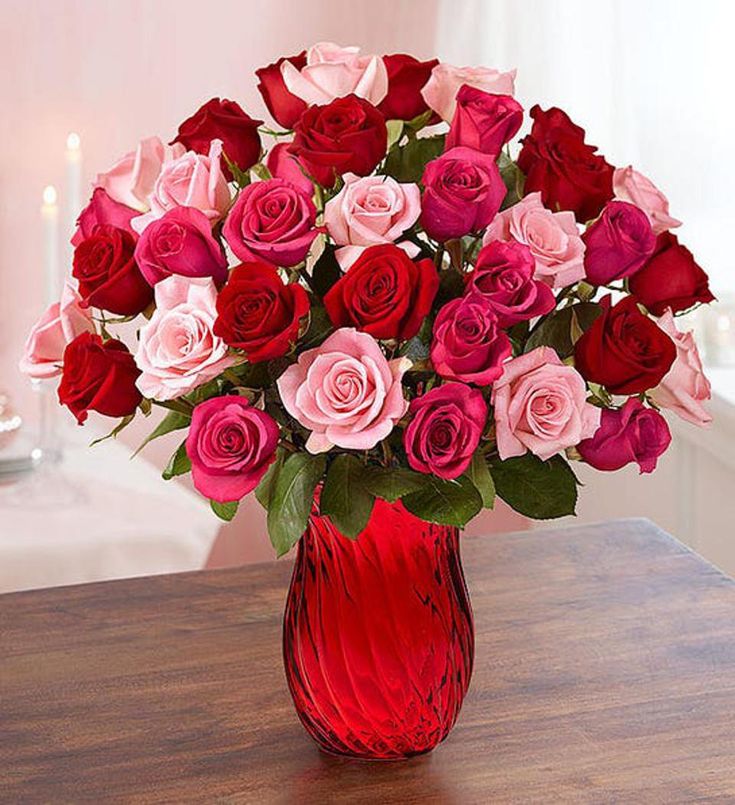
x=445 y=429
x=552 y=237
x=271 y=220
x=60 y=324
x=102 y=211
x=190 y=180
x=627 y=434
x=332 y=72
x=178 y=349
x=440 y=92
x=467 y=343
x=230 y=444
x=284 y=165
x=463 y=191
x=629 y=185
x=484 y=121
x=685 y=387
x=540 y=405
x=345 y=392
x=368 y=211
x=180 y=242
x=131 y=179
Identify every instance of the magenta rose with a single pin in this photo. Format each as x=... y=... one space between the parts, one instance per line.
x=618 y=243
x=103 y=211
x=271 y=220
x=282 y=164
x=484 y=121
x=463 y=191
x=631 y=433
x=230 y=444
x=445 y=429
x=180 y=242
x=468 y=344
x=504 y=275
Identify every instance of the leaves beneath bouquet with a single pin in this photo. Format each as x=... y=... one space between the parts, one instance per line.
x=445 y=502
x=179 y=463
x=345 y=499
x=538 y=489
x=172 y=421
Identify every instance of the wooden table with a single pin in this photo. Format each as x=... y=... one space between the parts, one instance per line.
x=605 y=672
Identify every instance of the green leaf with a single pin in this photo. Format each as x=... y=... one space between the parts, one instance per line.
x=264 y=490
x=451 y=285
x=178 y=464
x=418 y=122
x=292 y=499
x=326 y=271
x=414 y=349
x=538 y=489
x=562 y=329
x=121 y=425
x=395 y=131
x=320 y=325
x=407 y=163
x=445 y=502
x=513 y=179
x=479 y=474
x=225 y=511
x=261 y=171
x=345 y=498
x=172 y=421
x=393 y=483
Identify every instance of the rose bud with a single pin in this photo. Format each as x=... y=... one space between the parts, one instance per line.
x=468 y=344
x=670 y=279
x=271 y=220
x=440 y=91
x=345 y=136
x=617 y=244
x=108 y=276
x=463 y=191
x=222 y=120
x=629 y=434
x=284 y=165
x=384 y=293
x=629 y=185
x=624 y=350
x=180 y=243
x=484 y=121
x=284 y=106
x=102 y=210
x=444 y=430
x=258 y=313
x=230 y=444
x=504 y=275
x=562 y=167
x=98 y=376
x=406 y=78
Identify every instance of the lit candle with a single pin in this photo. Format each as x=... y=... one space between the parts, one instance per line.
x=73 y=190
x=50 y=221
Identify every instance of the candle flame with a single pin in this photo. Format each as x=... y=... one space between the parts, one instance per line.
x=73 y=141
x=49 y=195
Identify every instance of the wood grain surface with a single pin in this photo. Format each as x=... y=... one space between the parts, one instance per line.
x=605 y=672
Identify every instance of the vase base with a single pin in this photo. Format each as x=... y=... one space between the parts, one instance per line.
x=373 y=758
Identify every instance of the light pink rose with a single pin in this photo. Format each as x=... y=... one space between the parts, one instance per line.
x=552 y=237
x=440 y=91
x=332 y=71
x=685 y=387
x=629 y=185
x=190 y=180
x=60 y=324
x=540 y=405
x=345 y=392
x=178 y=350
x=131 y=179
x=370 y=210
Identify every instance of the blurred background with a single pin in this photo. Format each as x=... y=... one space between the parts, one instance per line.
x=650 y=82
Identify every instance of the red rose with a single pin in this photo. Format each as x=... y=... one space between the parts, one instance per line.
x=406 y=78
x=109 y=277
x=562 y=167
x=103 y=210
x=222 y=120
x=384 y=293
x=347 y=135
x=671 y=278
x=624 y=350
x=257 y=313
x=503 y=274
x=98 y=376
x=484 y=121
x=618 y=243
x=284 y=107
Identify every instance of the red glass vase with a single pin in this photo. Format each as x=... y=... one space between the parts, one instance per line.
x=378 y=637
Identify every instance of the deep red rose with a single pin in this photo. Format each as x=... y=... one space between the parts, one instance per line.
x=347 y=135
x=257 y=313
x=631 y=433
x=484 y=121
x=624 y=350
x=671 y=278
x=103 y=210
x=98 y=376
x=384 y=293
x=406 y=78
x=222 y=120
x=562 y=167
x=503 y=274
x=618 y=243
x=109 y=278
x=284 y=107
